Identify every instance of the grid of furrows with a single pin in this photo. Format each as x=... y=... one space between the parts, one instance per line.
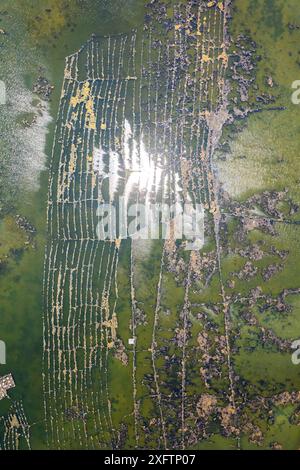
x=79 y=269
x=192 y=91
x=16 y=430
x=170 y=92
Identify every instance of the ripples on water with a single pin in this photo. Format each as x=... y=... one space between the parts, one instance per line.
x=22 y=148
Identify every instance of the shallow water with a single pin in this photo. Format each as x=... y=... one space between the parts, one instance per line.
x=264 y=156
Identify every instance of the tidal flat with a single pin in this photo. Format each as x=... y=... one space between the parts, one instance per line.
x=211 y=364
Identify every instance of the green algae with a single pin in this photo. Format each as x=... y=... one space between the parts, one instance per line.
x=271 y=147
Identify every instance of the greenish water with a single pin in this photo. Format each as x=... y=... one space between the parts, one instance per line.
x=270 y=143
